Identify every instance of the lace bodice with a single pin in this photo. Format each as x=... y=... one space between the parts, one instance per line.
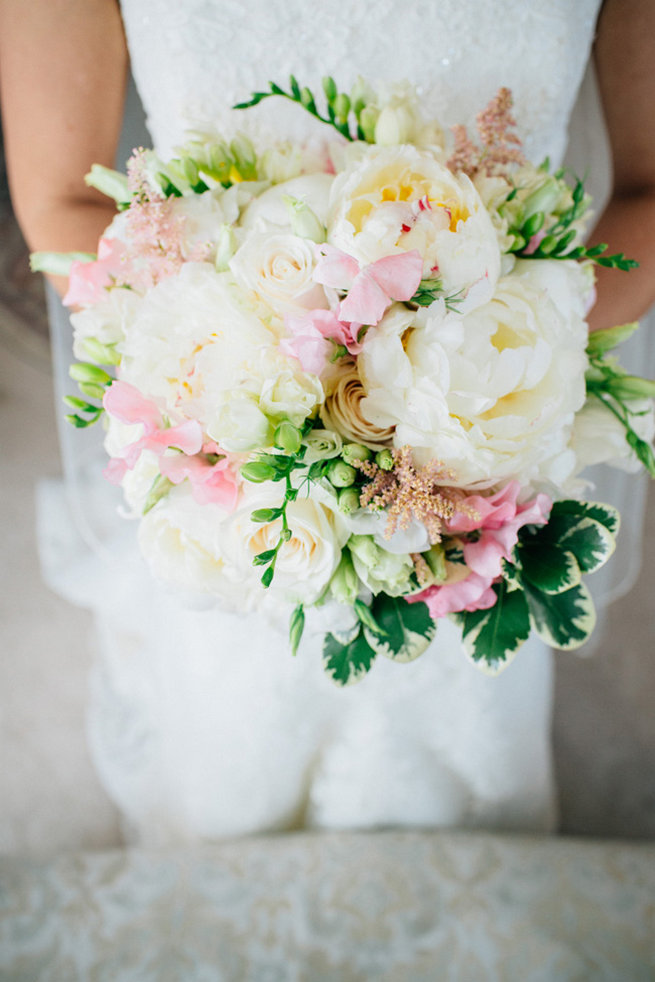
x=194 y=60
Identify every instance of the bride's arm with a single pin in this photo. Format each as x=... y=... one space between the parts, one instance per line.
x=63 y=66
x=625 y=60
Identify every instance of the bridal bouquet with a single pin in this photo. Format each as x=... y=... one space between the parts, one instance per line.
x=359 y=372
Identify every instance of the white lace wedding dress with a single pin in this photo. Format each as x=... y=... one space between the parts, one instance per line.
x=202 y=724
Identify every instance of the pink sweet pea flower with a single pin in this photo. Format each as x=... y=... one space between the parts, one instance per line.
x=87 y=282
x=373 y=288
x=314 y=336
x=472 y=593
x=125 y=403
x=210 y=483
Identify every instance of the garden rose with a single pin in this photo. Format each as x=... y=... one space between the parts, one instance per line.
x=278 y=268
x=343 y=411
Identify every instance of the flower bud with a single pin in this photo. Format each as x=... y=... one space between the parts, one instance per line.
x=394 y=125
x=340 y=474
x=109 y=182
x=631 y=387
x=288 y=437
x=435 y=557
x=101 y=354
x=221 y=162
x=384 y=459
x=342 y=107
x=84 y=372
x=354 y=453
x=348 y=500
x=344 y=584
x=544 y=198
x=225 y=248
x=330 y=88
x=257 y=471
x=365 y=549
x=304 y=221
x=367 y=120
x=245 y=158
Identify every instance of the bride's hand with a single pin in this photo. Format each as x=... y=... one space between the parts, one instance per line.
x=63 y=67
x=625 y=56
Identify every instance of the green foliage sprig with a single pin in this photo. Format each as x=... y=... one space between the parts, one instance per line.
x=347 y=116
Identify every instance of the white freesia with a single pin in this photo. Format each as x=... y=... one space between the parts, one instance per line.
x=104 y=321
x=414 y=538
x=278 y=268
x=401 y=121
x=397 y=199
x=270 y=207
x=598 y=437
x=305 y=563
x=492 y=394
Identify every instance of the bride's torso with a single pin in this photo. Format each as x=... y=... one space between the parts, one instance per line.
x=194 y=60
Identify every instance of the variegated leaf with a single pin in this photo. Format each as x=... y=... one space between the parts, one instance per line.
x=563 y=620
x=347 y=663
x=598 y=510
x=492 y=637
x=590 y=542
x=548 y=567
x=408 y=628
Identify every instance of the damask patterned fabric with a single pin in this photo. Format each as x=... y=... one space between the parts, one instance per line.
x=347 y=907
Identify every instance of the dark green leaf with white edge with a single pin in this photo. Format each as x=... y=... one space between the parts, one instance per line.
x=408 y=628
x=548 y=567
x=492 y=637
x=563 y=620
x=590 y=542
x=347 y=663
x=598 y=510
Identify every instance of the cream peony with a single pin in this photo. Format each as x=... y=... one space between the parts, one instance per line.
x=492 y=394
x=396 y=199
x=106 y=321
x=270 y=207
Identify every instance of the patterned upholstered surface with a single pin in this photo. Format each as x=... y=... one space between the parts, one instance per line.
x=383 y=906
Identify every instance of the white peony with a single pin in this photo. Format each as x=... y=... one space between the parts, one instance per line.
x=105 y=321
x=491 y=394
x=397 y=199
x=278 y=268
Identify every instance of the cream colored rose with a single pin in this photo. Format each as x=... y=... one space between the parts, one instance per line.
x=306 y=562
x=397 y=199
x=492 y=394
x=344 y=413
x=278 y=268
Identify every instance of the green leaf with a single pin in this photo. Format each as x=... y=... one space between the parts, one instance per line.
x=296 y=627
x=347 y=663
x=598 y=510
x=548 y=567
x=608 y=338
x=492 y=637
x=589 y=540
x=407 y=628
x=563 y=620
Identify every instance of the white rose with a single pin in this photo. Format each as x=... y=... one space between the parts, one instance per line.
x=306 y=562
x=278 y=268
x=343 y=412
x=290 y=394
x=493 y=394
x=270 y=207
x=375 y=211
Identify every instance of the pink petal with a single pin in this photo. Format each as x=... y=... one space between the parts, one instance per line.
x=366 y=301
x=87 y=282
x=186 y=437
x=335 y=268
x=115 y=471
x=312 y=352
x=125 y=403
x=399 y=276
x=485 y=556
x=473 y=593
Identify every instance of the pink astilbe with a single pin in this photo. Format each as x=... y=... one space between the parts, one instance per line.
x=409 y=492
x=500 y=144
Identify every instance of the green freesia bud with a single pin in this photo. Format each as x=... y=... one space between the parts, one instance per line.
x=342 y=106
x=348 y=500
x=92 y=390
x=101 y=354
x=288 y=437
x=384 y=460
x=340 y=474
x=330 y=88
x=533 y=224
x=367 y=120
x=84 y=372
x=394 y=125
x=109 y=182
x=257 y=471
x=304 y=221
x=58 y=263
x=518 y=243
x=245 y=158
x=544 y=198
x=354 y=453
x=548 y=245
x=609 y=337
x=225 y=248
x=344 y=584
x=631 y=387
x=221 y=162
x=435 y=557
x=306 y=97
